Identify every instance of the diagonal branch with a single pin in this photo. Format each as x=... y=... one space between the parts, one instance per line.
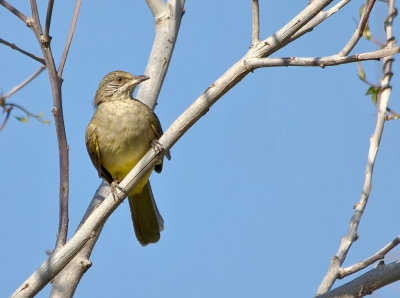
x=18 y=87
x=15 y=11
x=14 y=47
x=360 y=29
x=157 y=8
x=69 y=38
x=343 y=272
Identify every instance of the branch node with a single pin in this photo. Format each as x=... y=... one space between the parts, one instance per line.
x=54 y=111
x=45 y=40
x=29 y=22
x=86 y=264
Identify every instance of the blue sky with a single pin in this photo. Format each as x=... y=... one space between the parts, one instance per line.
x=258 y=193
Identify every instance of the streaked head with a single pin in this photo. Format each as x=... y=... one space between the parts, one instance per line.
x=116 y=85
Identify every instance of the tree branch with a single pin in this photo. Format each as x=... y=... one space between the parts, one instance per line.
x=352 y=234
x=360 y=28
x=367 y=283
x=343 y=272
x=256 y=21
x=14 y=47
x=319 y=61
x=15 y=11
x=55 y=83
x=167 y=28
x=48 y=18
x=18 y=87
x=69 y=38
x=157 y=8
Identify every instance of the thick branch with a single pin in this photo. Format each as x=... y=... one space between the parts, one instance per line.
x=367 y=283
x=14 y=47
x=167 y=27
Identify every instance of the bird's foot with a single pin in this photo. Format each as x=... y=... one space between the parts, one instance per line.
x=114 y=186
x=158 y=148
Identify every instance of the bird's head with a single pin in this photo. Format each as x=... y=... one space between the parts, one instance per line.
x=117 y=85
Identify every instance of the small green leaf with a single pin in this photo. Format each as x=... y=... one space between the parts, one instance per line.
x=373 y=91
x=367 y=33
x=22 y=119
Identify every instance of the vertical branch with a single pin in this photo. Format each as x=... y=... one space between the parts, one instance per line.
x=359 y=208
x=55 y=83
x=167 y=22
x=256 y=21
x=48 y=18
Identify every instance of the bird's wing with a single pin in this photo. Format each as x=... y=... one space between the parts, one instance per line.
x=93 y=149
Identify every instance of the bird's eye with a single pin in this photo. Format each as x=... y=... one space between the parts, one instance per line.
x=119 y=79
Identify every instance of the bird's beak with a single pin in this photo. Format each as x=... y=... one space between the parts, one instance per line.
x=139 y=79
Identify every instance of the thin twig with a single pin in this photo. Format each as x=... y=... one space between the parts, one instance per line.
x=319 y=61
x=360 y=28
x=352 y=234
x=8 y=111
x=69 y=39
x=256 y=21
x=14 y=47
x=48 y=18
x=372 y=259
x=18 y=87
x=15 y=11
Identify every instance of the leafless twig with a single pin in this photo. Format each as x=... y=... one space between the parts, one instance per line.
x=17 y=88
x=13 y=10
x=319 y=61
x=14 y=47
x=48 y=18
x=360 y=29
x=69 y=39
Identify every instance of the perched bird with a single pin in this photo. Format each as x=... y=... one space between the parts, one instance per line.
x=118 y=136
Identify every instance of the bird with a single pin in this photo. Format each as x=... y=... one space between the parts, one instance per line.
x=120 y=133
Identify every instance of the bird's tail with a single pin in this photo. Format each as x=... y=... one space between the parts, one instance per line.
x=147 y=221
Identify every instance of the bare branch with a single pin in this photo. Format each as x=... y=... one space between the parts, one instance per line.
x=319 y=18
x=14 y=47
x=352 y=234
x=57 y=110
x=161 y=52
x=48 y=18
x=8 y=111
x=319 y=61
x=367 y=283
x=15 y=11
x=372 y=259
x=256 y=21
x=360 y=28
x=18 y=87
x=69 y=39
x=157 y=8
